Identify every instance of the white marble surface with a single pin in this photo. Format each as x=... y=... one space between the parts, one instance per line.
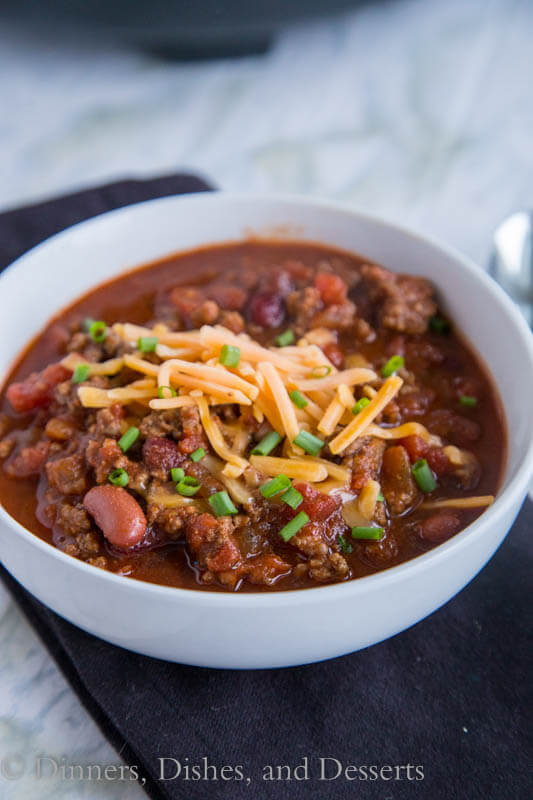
x=418 y=111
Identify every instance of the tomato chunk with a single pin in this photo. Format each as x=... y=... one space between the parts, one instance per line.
x=333 y=290
x=317 y=505
x=36 y=391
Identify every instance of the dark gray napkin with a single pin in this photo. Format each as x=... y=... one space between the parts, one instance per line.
x=449 y=696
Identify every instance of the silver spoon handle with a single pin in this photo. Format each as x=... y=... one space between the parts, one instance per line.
x=511 y=262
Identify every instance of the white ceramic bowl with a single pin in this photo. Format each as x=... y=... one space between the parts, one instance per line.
x=271 y=629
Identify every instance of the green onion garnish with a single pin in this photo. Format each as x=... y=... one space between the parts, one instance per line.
x=393 y=365
x=294 y=526
x=321 y=372
x=292 y=497
x=131 y=436
x=221 y=504
x=361 y=532
x=177 y=474
x=380 y=498
x=198 y=454
x=147 y=344
x=468 y=401
x=266 y=445
x=188 y=486
x=97 y=331
x=423 y=475
x=278 y=484
x=298 y=399
x=345 y=546
x=230 y=355
x=362 y=403
x=119 y=477
x=439 y=324
x=284 y=339
x=311 y=444
x=81 y=373
x=161 y=392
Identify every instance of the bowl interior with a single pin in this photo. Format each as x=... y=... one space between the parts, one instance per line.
x=59 y=270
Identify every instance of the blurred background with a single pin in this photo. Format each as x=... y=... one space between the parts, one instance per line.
x=417 y=110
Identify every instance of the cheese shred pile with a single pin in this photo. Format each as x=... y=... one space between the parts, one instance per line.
x=189 y=369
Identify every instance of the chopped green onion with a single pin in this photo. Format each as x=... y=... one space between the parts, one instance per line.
x=285 y=338
x=198 y=454
x=468 y=401
x=188 y=486
x=230 y=355
x=380 y=498
x=362 y=532
x=81 y=373
x=221 y=504
x=147 y=344
x=344 y=545
x=119 y=477
x=97 y=331
x=321 y=372
x=131 y=436
x=278 y=484
x=393 y=365
x=362 y=403
x=266 y=445
x=423 y=475
x=294 y=526
x=161 y=392
x=292 y=497
x=439 y=324
x=177 y=474
x=311 y=444
x=298 y=399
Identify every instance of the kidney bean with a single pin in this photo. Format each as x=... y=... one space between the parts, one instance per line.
x=277 y=281
x=439 y=461
x=439 y=527
x=267 y=309
x=117 y=514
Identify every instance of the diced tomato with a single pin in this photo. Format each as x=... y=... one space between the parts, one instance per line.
x=28 y=461
x=416 y=446
x=333 y=290
x=317 y=505
x=36 y=391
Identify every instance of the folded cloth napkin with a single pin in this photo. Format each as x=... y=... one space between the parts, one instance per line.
x=438 y=711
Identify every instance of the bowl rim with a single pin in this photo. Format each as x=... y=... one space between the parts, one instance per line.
x=506 y=498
